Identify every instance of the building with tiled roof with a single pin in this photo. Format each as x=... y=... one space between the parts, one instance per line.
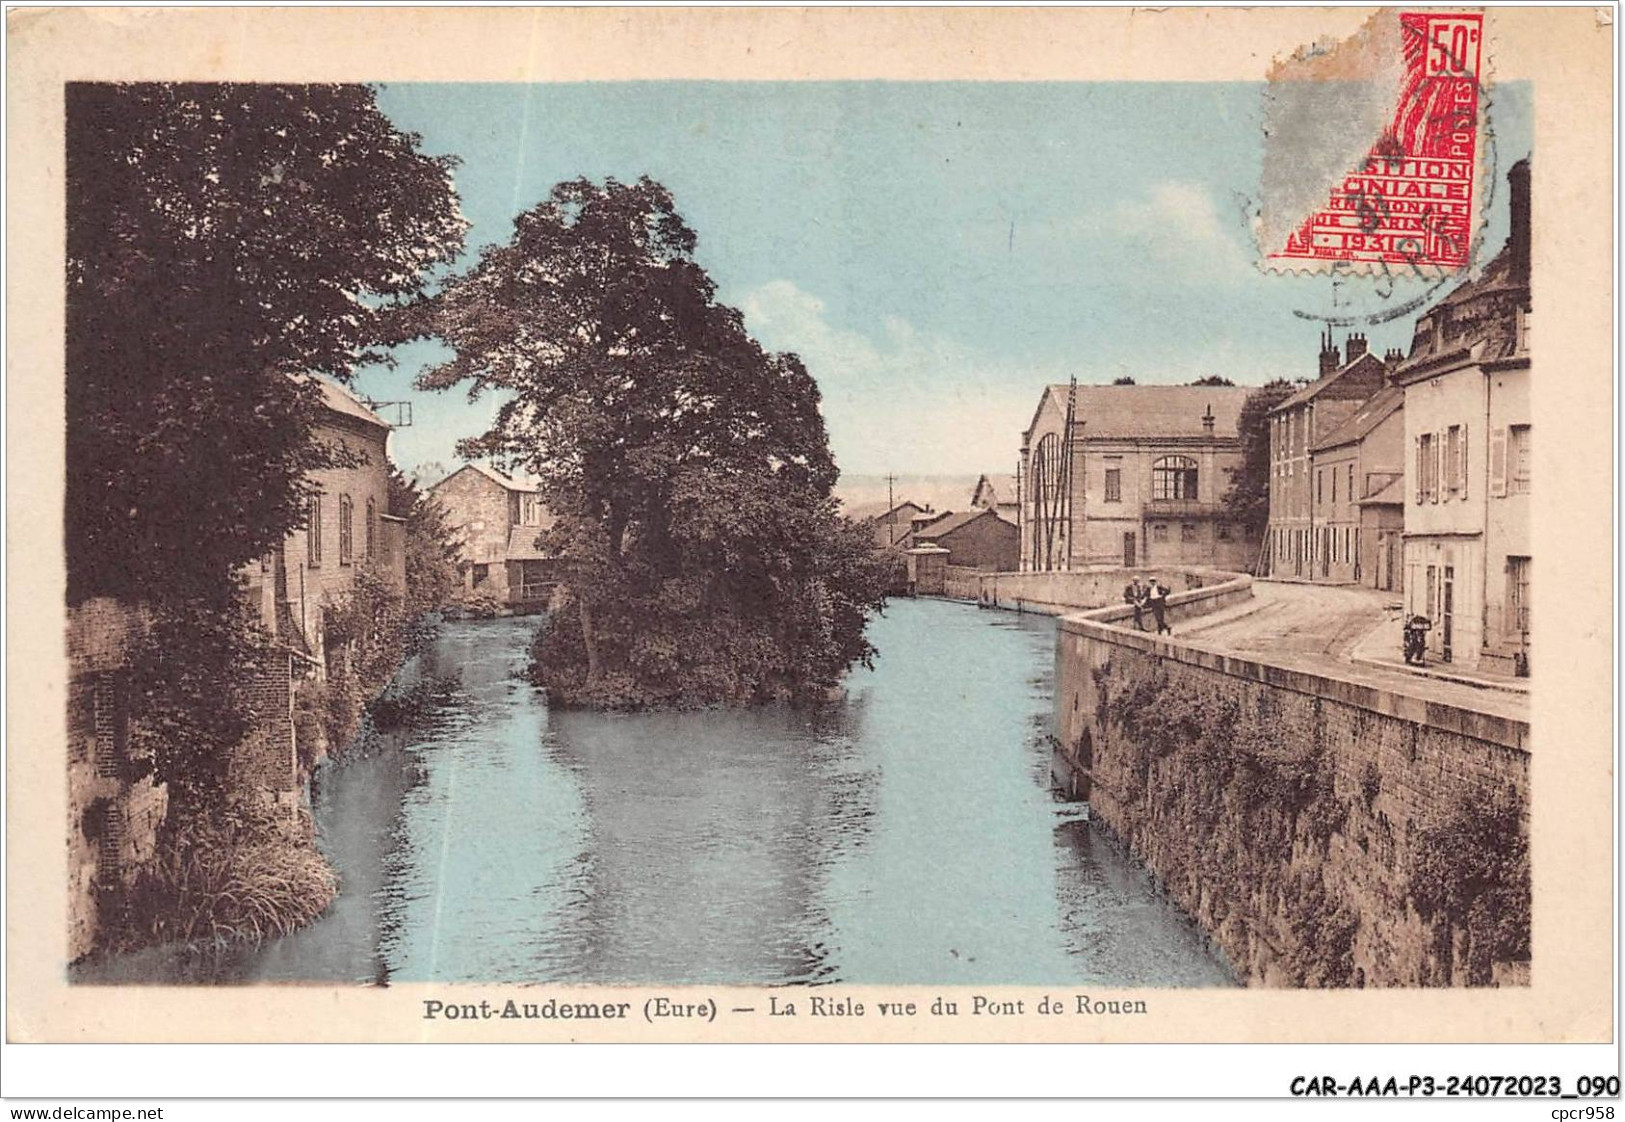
x=998 y=493
x=1296 y=544
x=977 y=539
x=1468 y=547
x=499 y=521
x=1359 y=535
x=1138 y=478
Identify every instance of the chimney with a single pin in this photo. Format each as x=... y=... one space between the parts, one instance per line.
x=1207 y=420
x=1518 y=239
x=1356 y=347
x=1329 y=360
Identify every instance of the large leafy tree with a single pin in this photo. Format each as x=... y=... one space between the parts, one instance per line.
x=224 y=240
x=432 y=550
x=1248 y=500
x=688 y=468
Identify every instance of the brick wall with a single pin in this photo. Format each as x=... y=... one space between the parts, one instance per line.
x=267 y=761
x=112 y=826
x=1289 y=813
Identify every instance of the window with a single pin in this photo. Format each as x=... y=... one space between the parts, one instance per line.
x=346 y=541
x=1114 y=485
x=482 y=573
x=1427 y=469
x=1224 y=531
x=1173 y=477
x=313 y=532
x=1517 y=617
x=1348 y=492
x=1432 y=582
x=372 y=529
x=531 y=512
x=1159 y=531
x=1334 y=486
x=1320 y=486
x=1518 y=454
x=1188 y=532
x=513 y=508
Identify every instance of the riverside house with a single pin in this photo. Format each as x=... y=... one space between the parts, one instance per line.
x=499 y=520
x=1468 y=549
x=115 y=809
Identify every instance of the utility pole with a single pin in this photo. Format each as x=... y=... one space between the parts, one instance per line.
x=891 y=511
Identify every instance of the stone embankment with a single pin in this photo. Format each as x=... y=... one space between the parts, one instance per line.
x=1325 y=828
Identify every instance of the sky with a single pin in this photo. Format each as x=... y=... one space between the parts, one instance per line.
x=935 y=252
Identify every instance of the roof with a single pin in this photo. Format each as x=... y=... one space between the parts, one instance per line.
x=522 y=544
x=1391 y=493
x=1003 y=487
x=877 y=512
x=337 y=399
x=504 y=481
x=1480 y=313
x=1129 y=412
x=1377 y=409
x=950 y=523
x=1319 y=385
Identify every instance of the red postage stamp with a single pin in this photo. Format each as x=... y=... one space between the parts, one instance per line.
x=1410 y=201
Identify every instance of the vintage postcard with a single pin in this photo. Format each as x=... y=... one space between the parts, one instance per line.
x=811 y=526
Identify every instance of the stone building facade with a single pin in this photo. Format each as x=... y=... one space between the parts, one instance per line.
x=1357 y=535
x=1139 y=480
x=1296 y=545
x=115 y=810
x=1468 y=552
x=498 y=520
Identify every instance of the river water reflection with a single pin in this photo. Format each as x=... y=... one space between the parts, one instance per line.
x=904 y=834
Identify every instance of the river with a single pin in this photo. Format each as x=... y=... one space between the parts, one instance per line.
x=903 y=834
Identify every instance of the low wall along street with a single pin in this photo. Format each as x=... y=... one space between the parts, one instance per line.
x=1059 y=592
x=1322 y=831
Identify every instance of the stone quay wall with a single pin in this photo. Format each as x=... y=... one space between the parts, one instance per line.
x=1321 y=831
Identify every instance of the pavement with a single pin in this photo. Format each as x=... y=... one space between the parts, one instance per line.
x=1348 y=632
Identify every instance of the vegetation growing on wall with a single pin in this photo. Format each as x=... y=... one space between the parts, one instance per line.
x=1229 y=801
x=1238 y=816
x=1469 y=874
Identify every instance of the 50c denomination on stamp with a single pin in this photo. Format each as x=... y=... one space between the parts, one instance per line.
x=1409 y=203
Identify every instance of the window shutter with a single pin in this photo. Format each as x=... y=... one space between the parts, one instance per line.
x=1420 y=486
x=1438 y=466
x=1462 y=470
x=1498 y=462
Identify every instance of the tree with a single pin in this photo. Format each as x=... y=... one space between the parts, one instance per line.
x=223 y=242
x=688 y=469
x=1213 y=380
x=1125 y=380
x=431 y=546
x=1248 y=500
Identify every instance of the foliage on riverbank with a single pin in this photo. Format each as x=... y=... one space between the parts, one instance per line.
x=239 y=874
